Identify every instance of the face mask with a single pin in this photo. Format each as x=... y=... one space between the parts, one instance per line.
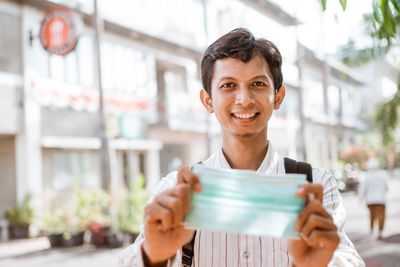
x=247 y=202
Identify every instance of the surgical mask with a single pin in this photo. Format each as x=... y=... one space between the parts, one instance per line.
x=247 y=202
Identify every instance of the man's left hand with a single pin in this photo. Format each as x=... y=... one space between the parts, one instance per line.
x=318 y=234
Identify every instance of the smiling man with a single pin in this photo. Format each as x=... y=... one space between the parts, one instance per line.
x=242 y=82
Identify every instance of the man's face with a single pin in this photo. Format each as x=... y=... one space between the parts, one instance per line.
x=242 y=96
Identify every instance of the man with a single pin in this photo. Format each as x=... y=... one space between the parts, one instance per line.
x=373 y=190
x=242 y=82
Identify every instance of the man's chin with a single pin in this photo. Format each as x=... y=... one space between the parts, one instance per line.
x=244 y=135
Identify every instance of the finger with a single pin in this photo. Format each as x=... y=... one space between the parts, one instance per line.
x=323 y=239
x=159 y=215
x=186 y=176
x=315 y=189
x=316 y=222
x=182 y=191
x=313 y=207
x=174 y=204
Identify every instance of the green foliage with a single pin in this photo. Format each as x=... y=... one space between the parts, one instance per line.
x=21 y=215
x=54 y=222
x=387 y=118
x=323 y=4
x=343 y=3
x=388 y=18
x=385 y=14
x=89 y=205
x=131 y=207
x=381 y=28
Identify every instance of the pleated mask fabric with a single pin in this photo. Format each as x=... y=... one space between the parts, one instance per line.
x=244 y=201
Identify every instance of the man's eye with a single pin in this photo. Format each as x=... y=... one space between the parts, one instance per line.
x=227 y=85
x=259 y=84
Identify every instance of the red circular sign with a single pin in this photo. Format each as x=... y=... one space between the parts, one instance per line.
x=58 y=33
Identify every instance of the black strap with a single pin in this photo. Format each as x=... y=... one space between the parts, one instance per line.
x=187 y=252
x=291 y=166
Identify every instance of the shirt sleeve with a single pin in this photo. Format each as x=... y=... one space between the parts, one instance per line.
x=346 y=254
x=132 y=255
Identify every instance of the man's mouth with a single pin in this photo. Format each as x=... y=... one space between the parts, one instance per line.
x=239 y=115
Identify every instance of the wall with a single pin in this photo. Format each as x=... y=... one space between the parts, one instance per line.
x=9 y=110
x=7 y=173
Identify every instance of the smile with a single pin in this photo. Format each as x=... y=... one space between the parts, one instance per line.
x=244 y=115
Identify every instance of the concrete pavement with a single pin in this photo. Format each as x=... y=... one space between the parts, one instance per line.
x=376 y=253
x=44 y=256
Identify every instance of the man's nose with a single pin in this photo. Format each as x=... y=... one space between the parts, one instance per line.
x=244 y=96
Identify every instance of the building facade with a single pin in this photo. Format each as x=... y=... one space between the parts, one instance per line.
x=150 y=58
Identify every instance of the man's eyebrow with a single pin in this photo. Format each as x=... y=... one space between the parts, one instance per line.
x=262 y=77
x=226 y=78
x=255 y=77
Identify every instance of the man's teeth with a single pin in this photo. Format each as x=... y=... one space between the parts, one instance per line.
x=244 y=116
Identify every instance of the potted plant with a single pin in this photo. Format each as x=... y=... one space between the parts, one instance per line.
x=74 y=231
x=54 y=228
x=89 y=209
x=77 y=236
x=20 y=218
x=131 y=208
x=99 y=229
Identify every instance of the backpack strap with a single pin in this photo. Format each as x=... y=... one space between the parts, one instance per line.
x=292 y=166
x=187 y=252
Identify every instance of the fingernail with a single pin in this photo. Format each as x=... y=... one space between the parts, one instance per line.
x=321 y=245
x=303 y=236
x=198 y=187
x=300 y=190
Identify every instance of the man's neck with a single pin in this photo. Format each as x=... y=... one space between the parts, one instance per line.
x=245 y=152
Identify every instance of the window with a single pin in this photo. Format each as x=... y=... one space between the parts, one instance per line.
x=125 y=69
x=334 y=101
x=65 y=68
x=86 y=61
x=71 y=168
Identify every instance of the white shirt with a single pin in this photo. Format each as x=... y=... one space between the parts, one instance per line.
x=373 y=188
x=213 y=249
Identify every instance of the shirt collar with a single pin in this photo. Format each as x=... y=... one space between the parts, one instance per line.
x=268 y=165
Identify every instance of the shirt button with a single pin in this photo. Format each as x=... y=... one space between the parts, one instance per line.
x=245 y=255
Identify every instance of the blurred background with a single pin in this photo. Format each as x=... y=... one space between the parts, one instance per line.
x=100 y=99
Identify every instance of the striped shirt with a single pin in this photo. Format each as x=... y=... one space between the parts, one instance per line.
x=213 y=248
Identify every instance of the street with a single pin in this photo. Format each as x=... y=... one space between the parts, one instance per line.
x=382 y=253
x=376 y=253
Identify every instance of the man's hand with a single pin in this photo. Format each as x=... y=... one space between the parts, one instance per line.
x=163 y=231
x=319 y=237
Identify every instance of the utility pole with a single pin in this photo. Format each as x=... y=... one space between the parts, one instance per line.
x=104 y=153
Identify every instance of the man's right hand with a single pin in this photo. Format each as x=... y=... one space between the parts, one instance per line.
x=163 y=231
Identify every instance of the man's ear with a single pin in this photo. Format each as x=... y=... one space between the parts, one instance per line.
x=206 y=100
x=279 y=96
